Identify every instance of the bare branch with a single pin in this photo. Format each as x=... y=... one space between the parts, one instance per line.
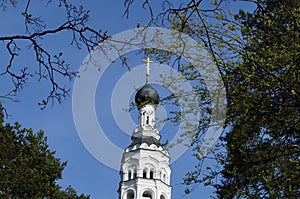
x=50 y=66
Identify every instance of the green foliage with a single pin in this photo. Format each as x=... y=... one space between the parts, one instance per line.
x=28 y=169
x=263 y=144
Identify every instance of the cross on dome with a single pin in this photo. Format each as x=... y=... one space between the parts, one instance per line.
x=148 y=61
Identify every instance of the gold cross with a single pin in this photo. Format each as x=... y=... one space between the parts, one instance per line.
x=147 y=69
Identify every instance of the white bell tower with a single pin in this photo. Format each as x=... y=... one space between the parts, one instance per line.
x=145 y=171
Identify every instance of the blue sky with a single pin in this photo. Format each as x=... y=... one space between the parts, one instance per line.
x=84 y=172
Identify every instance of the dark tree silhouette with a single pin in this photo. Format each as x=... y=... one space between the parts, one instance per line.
x=28 y=168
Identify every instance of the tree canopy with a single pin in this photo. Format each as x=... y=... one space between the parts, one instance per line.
x=28 y=168
x=263 y=148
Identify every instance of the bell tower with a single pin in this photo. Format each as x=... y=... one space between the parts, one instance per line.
x=145 y=171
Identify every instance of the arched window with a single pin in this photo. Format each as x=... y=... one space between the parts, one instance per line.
x=147 y=119
x=151 y=174
x=164 y=177
x=143 y=118
x=134 y=174
x=162 y=197
x=145 y=173
x=130 y=195
x=129 y=175
x=147 y=194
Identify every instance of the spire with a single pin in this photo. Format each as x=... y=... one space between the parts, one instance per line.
x=148 y=61
x=145 y=171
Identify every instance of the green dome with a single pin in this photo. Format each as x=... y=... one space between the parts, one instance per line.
x=146 y=95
